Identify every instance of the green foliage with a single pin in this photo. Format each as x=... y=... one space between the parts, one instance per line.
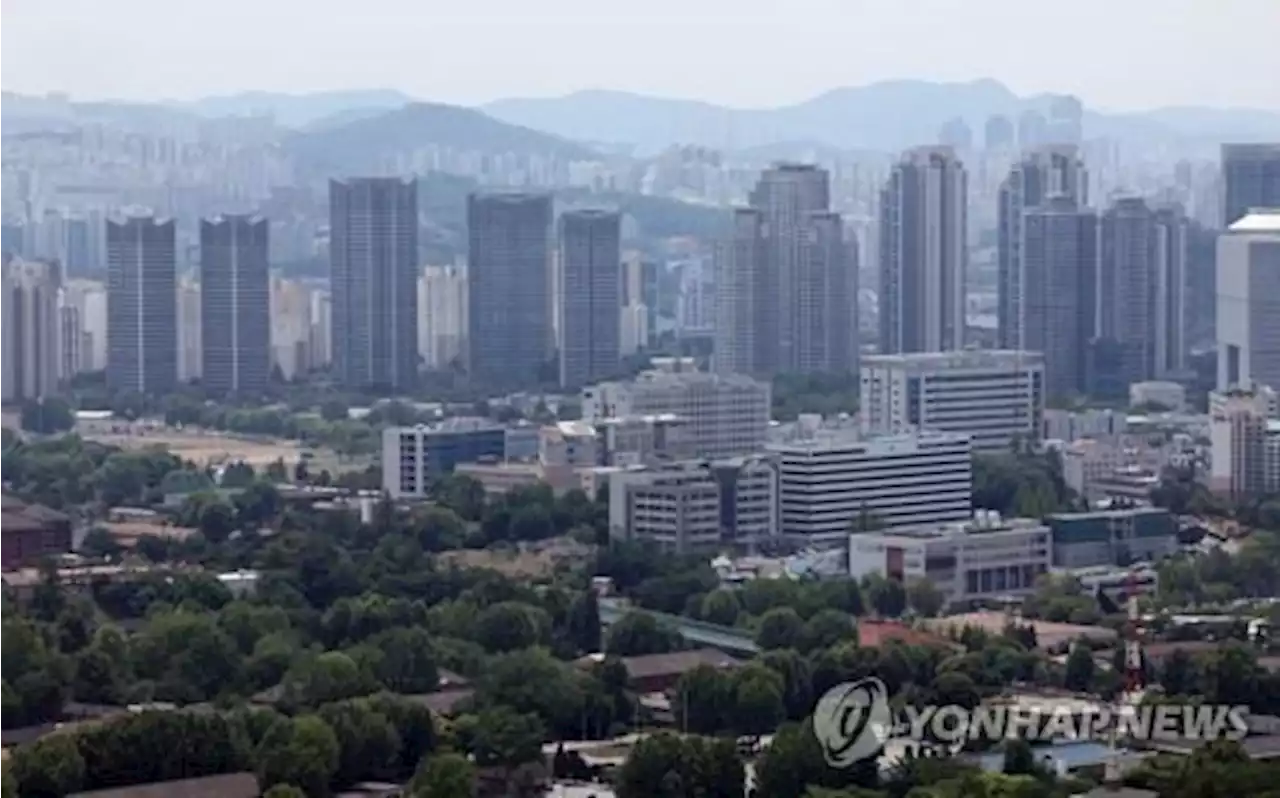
x=823 y=394
x=303 y=751
x=51 y=766
x=666 y=766
x=47 y=416
x=444 y=776
x=638 y=633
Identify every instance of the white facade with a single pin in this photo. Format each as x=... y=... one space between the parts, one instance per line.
x=32 y=355
x=1070 y=425
x=991 y=396
x=684 y=507
x=727 y=416
x=985 y=558
x=634 y=334
x=1245 y=459
x=827 y=482
x=442 y=301
x=1169 y=394
x=1248 y=315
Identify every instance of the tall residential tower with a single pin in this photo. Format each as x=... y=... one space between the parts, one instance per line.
x=508 y=287
x=590 y=289
x=142 y=305
x=923 y=253
x=373 y=256
x=235 y=305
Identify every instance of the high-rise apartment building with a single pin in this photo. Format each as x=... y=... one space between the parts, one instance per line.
x=442 y=330
x=373 y=255
x=32 y=359
x=786 y=280
x=235 y=305
x=1248 y=317
x=1245 y=458
x=995 y=397
x=923 y=253
x=1250 y=179
x=1141 y=294
x=1058 y=272
x=142 y=312
x=190 y=331
x=508 y=287
x=1040 y=175
x=590 y=285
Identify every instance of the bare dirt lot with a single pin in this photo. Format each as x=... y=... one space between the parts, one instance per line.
x=207 y=447
x=529 y=562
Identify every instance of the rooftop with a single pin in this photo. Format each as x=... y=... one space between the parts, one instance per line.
x=19 y=516
x=232 y=785
x=967 y=358
x=1258 y=220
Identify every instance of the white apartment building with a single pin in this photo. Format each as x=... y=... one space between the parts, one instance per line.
x=985 y=558
x=727 y=415
x=291 y=326
x=1248 y=317
x=828 y=481
x=993 y=396
x=442 y=308
x=1245 y=436
x=696 y=505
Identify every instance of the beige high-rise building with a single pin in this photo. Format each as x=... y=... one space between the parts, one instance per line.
x=1245 y=458
x=442 y=330
x=31 y=359
x=291 y=327
x=190 y=359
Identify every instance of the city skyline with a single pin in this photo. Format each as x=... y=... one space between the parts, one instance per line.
x=1198 y=60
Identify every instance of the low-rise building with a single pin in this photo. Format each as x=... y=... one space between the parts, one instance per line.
x=413 y=457
x=1118 y=583
x=32 y=532
x=986 y=558
x=830 y=478
x=1112 y=538
x=1169 y=395
x=726 y=415
x=993 y=397
x=696 y=505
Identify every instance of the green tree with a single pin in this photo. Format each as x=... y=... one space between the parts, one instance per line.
x=511 y=625
x=639 y=633
x=797 y=681
x=322 y=679
x=217 y=520
x=48 y=415
x=501 y=737
x=368 y=743
x=721 y=606
x=758 y=705
x=303 y=751
x=51 y=766
x=1079 y=669
x=284 y=791
x=924 y=597
x=886 y=596
x=667 y=766
x=705 y=700
x=825 y=629
x=444 y=776
x=584 y=622
x=780 y=627
x=407 y=661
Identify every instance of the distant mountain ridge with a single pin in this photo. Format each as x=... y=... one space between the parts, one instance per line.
x=879 y=116
x=366 y=144
x=296 y=110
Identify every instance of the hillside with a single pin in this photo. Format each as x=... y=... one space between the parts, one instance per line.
x=368 y=143
x=881 y=116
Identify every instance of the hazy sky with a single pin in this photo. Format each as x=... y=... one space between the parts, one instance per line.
x=1116 y=54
